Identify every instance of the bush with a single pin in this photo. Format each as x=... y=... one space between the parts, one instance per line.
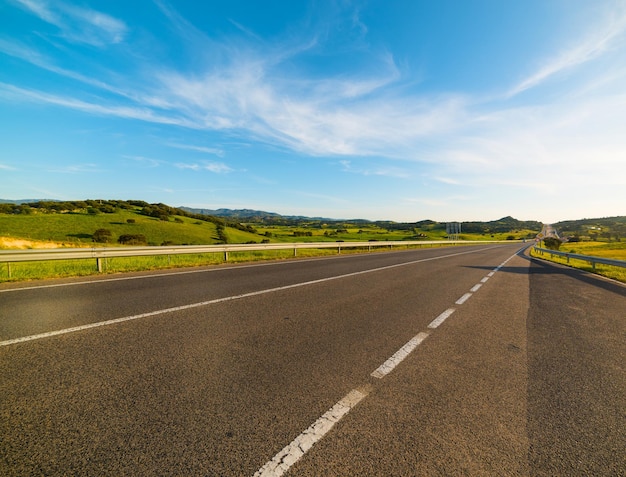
x=102 y=236
x=132 y=239
x=552 y=243
x=130 y=221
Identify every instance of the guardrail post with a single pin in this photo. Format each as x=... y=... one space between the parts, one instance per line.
x=295 y=251
x=225 y=256
x=9 y=268
x=99 y=264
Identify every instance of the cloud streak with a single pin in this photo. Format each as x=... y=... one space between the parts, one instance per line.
x=597 y=43
x=215 y=167
x=77 y=24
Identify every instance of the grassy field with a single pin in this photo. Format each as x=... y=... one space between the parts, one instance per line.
x=366 y=233
x=612 y=250
x=76 y=229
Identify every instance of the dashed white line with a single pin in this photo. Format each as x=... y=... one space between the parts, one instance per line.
x=399 y=355
x=476 y=287
x=282 y=461
x=463 y=299
x=441 y=318
x=301 y=444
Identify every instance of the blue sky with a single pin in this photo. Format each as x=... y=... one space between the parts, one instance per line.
x=379 y=109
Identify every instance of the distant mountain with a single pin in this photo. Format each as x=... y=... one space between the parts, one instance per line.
x=251 y=214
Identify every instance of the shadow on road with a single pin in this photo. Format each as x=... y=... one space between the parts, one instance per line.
x=543 y=267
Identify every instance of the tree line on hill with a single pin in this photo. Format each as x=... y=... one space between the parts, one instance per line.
x=606 y=229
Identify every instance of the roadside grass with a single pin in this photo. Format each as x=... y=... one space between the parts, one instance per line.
x=75 y=229
x=615 y=250
x=612 y=250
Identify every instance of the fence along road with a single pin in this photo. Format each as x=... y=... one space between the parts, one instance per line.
x=100 y=253
x=438 y=361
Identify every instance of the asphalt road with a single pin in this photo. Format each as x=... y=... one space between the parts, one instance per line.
x=450 y=361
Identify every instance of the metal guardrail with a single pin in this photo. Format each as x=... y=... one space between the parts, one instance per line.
x=588 y=258
x=100 y=253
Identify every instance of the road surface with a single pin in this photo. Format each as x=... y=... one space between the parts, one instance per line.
x=447 y=361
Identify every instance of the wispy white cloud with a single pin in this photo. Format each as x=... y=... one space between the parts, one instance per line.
x=36 y=58
x=190 y=147
x=77 y=169
x=78 y=24
x=379 y=170
x=4 y=167
x=215 y=167
x=253 y=91
x=603 y=38
x=150 y=162
x=142 y=113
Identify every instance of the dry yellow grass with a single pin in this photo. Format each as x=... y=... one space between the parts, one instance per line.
x=10 y=243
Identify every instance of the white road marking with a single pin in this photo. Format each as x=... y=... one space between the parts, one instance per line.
x=463 y=299
x=299 y=446
x=282 y=461
x=211 y=302
x=476 y=287
x=399 y=355
x=441 y=318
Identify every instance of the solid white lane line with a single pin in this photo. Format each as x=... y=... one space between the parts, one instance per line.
x=399 y=355
x=204 y=270
x=441 y=318
x=282 y=461
x=463 y=299
x=211 y=302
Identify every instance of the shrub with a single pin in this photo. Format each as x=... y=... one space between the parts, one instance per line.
x=552 y=243
x=102 y=236
x=132 y=239
x=130 y=221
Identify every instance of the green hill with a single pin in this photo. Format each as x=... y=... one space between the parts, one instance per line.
x=75 y=223
x=118 y=222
